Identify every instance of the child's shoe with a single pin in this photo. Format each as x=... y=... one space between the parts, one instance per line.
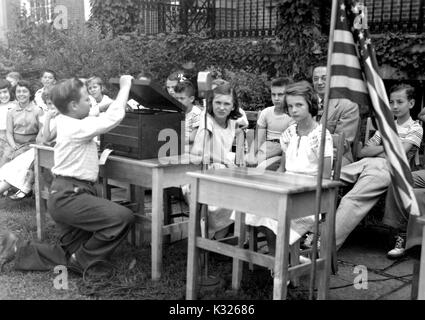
x=399 y=248
x=19 y=195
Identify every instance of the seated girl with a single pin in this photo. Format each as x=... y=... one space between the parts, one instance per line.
x=5 y=105
x=19 y=172
x=99 y=100
x=300 y=145
x=213 y=142
x=23 y=122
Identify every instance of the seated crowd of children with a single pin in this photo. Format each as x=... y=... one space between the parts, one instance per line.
x=70 y=114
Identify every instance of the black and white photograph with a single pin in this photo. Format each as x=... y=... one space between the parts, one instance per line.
x=211 y=156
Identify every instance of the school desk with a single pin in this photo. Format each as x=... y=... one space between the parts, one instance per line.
x=277 y=195
x=155 y=174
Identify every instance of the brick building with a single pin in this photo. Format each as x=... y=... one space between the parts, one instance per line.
x=40 y=10
x=8 y=9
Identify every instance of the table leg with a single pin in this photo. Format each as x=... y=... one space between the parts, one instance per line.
x=194 y=230
x=282 y=253
x=138 y=234
x=139 y=198
x=415 y=280
x=237 y=263
x=157 y=222
x=326 y=242
x=421 y=289
x=40 y=203
x=252 y=242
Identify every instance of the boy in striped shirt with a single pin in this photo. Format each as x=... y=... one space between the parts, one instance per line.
x=410 y=132
x=370 y=175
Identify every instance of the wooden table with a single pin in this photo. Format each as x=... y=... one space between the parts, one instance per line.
x=275 y=195
x=418 y=280
x=155 y=174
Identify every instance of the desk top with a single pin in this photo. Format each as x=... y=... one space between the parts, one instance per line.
x=279 y=182
x=184 y=159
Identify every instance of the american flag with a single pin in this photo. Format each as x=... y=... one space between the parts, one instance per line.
x=354 y=75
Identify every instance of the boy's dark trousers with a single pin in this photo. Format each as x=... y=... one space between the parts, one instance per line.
x=89 y=226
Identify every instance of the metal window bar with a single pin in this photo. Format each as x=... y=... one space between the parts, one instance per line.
x=382 y=15
x=237 y=18
x=401 y=23
x=421 y=17
x=390 y=23
x=250 y=18
x=409 y=23
x=270 y=17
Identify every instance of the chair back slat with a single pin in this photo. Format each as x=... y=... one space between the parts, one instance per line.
x=338 y=142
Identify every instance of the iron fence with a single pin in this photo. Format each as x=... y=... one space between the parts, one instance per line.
x=250 y=18
x=256 y=18
x=405 y=16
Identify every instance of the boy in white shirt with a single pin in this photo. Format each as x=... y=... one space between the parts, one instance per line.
x=90 y=227
x=184 y=92
x=271 y=123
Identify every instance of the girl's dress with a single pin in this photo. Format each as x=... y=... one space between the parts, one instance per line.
x=5 y=149
x=302 y=157
x=26 y=124
x=218 y=146
x=19 y=172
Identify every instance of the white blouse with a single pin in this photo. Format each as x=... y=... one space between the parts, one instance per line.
x=302 y=152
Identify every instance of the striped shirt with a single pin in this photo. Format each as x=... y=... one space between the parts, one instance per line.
x=75 y=152
x=409 y=132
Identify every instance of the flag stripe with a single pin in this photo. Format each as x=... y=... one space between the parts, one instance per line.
x=345 y=60
x=343 y=92
x=344 y=71
x=342 y=47
x=353 y=84
x=341 y=35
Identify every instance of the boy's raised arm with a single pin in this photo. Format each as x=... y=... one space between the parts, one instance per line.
x=94 y=126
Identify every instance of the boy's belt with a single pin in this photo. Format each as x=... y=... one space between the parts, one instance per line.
x=274 y=140
x=75 y=179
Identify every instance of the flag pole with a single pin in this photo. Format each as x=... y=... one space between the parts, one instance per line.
x=322 y=151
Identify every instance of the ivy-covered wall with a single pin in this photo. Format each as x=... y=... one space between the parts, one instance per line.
x=250 y=63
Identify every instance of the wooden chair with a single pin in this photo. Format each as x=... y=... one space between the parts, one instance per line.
x=338 y=143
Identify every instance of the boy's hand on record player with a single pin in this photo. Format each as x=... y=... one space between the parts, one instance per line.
x=125 y=81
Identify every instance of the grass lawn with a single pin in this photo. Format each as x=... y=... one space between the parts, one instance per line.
x=133 y=270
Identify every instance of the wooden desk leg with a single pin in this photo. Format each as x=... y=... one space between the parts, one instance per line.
x=282 y=253
x=40 y=203
x=237 y=263
x=421 y=289
x=136 y=235
x=139 y=198
x=415 y=280
x=157 y=222
x=194 y=230
x=253 y=245
x=327 y=237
